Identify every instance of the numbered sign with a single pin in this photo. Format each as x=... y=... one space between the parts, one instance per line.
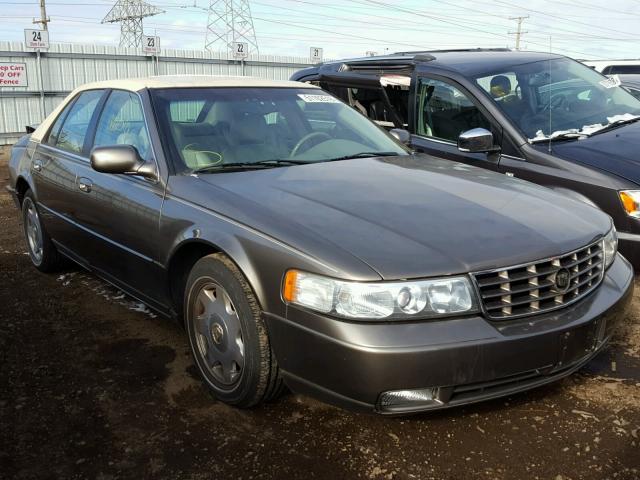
x=151 y=44
x=240 y=50
x=36 y=39
x=315 y=55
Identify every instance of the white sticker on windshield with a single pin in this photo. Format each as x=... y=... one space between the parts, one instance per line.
x=612 y=81
x=318 y=98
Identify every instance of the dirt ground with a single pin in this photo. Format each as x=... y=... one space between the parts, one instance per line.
x=93 y=385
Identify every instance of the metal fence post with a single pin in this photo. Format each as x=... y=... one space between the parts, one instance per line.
x=43 y=113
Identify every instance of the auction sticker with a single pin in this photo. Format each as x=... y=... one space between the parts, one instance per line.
x=13 y=74
x=309 y=98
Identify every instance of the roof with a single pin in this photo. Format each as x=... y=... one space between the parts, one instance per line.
x=186 y=81
x=467 y=62
x=168 y=81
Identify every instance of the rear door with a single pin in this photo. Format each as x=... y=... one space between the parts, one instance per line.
x=55 y=165
x=443 y=110
x=122 y=212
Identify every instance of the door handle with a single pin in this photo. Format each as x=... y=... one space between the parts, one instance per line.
x=37 y=165
x=85 y=184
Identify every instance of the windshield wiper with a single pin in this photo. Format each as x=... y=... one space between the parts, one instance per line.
x=362 y=155
x=616 y=123
x=248 y=165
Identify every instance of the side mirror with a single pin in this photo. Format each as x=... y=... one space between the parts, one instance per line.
x=477 y=140
x=123 y=159
x=401 y=135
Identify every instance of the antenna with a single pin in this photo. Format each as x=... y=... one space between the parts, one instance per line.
x=230 y=21
x=129 y=14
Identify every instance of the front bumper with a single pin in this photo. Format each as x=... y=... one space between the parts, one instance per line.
x=467 y=359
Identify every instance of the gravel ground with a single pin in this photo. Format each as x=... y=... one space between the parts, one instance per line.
x=93 y=385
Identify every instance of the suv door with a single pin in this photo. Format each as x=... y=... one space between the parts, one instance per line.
x=443 y=111
x=122 y=212
x=54 y=164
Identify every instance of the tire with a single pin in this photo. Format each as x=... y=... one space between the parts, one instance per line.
x=227 y=334
x=42 y=252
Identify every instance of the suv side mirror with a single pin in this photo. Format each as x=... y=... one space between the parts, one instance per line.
x=477 y=140
x=401 y=135
x=123 y=159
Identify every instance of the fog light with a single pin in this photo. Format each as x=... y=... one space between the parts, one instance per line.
x=406 y=400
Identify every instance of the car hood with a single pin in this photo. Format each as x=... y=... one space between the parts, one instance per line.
x=408 y=216
x=614 y=151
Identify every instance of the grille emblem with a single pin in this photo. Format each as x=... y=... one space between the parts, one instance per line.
x=562 y=280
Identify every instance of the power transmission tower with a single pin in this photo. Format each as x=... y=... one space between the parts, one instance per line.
x=44 y=20
x=129 y=14
x=230 y=21
x=518 y=33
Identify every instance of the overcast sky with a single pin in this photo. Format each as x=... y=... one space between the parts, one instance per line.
x=587 y=29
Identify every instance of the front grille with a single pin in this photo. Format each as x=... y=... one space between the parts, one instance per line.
x=533 y=288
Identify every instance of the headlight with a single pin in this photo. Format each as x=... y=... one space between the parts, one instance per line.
x=380 y=300
x=631 y=202
x=610 y=246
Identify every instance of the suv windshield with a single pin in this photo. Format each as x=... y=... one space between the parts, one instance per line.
x=208 y=128
x=559 y=98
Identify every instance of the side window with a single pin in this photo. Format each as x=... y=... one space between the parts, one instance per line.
x=370 y=102
x=445 y=112
x=71 y=134
x=122 y=123
x=55 y=130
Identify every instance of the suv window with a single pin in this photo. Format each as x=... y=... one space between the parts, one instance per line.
x=70 y=129
x=122 y=123
x=445 y=112
x=370 y=102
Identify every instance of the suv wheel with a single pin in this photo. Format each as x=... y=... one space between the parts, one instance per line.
x=227 y=335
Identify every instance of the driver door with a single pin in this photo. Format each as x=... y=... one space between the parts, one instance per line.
x=443 y=112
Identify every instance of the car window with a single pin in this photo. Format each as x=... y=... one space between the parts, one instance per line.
x=621 y=69
x=55 y=130
x=122 y=123
x=370 y=102
x=188 y=111
x=250 y=125
x=71 y=134
x=635 y=92
x=444 y=112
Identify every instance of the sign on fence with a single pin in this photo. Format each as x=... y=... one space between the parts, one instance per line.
x=315 y=55
x=13 y=74
x=36 y=39
x=151 y=44
x=240 y=50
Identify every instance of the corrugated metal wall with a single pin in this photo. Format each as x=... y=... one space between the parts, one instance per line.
x=65 y=66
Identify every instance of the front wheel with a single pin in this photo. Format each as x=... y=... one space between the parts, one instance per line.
x=227 y=335
x=42 y=251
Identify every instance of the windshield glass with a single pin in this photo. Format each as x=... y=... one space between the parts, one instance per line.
x=211 y=127
x=559 y=97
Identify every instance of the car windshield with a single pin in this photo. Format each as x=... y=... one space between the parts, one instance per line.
x=559 y=98
x=210 y=128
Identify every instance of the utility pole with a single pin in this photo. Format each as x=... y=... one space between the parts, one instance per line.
x=229 y=22
x=44 y=20
x=518 y=33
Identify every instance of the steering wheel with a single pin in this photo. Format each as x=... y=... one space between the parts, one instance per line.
x=555 y=102
x=305 y=139
x=215 y=157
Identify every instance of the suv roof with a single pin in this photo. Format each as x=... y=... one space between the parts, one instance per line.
x=467 y=62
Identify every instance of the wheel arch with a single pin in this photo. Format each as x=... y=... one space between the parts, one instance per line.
x=22 y=185
x=185 y=255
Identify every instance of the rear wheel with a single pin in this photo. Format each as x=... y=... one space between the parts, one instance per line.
x=41 y=249
x=227 y=335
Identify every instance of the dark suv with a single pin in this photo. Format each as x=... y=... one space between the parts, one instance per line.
x=536 y=116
